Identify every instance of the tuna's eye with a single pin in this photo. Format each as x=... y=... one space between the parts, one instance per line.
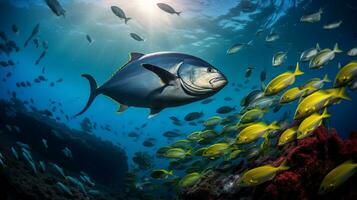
x=209 y=69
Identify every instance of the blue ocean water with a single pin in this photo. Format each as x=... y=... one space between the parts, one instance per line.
x=205 y=28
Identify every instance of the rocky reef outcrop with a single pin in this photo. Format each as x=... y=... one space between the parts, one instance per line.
x=105 y=163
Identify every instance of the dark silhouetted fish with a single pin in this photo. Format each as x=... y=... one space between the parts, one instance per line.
x=4 y=63
x=167 y=8
x=59 y=80
x=248 y=72
x=136 y=37
x=8 y=74
x=173 y=118
x=89 y=39
x=52 y=84
x=15 y=29
x=41 y=78
x=207 y=101
x=36 y=42
x=158 y=81
x=28 y=84
x=120 y=13
x=41 y=57
x=3 y=36
x=225 y=109
x=23 y=84
x=45 y=44
x=36 y=80
x=11 y=63
x=193 y=116
x=263 y=75
x=171 y=134
x=34 y=32
x=56 y=7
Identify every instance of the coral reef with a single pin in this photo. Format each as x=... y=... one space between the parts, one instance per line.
x=104 y=162
x=309 y=160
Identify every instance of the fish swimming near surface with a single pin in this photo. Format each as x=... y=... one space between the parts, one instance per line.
x=167 y=8
x=120 y=13
x=89 y=39
x=41 y=57
x=312 y=18
x=323 y=57
x=237 y=47
x=308 y=54
x=34 y=32
x=136 y=37
x=56 y=7
x=158 y=81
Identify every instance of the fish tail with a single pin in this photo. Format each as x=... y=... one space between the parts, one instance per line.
x=341 y=93
x=178 y=13
x=336 y=49
x=127 y=19
x=297 y=70
x=93 y=92
x=171 y=172
x=326 y=79
x=325 y=114
x=321 y=10
x=318 y=47
x=274 y=125
x=283 y=166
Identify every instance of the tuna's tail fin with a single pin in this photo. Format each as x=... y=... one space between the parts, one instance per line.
x=93 y=92
x=127 y=19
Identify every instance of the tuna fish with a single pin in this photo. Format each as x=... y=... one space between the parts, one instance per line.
x=158 y=81
x=56 y=7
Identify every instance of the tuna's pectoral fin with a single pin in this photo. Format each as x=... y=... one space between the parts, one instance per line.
x=165 y=76
x=135 y=56
x=122 y=108
x=154 y=112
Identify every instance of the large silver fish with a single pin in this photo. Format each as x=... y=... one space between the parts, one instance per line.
x=56 y=7
x=159 y=80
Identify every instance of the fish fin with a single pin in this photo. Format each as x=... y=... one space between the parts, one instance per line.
x=134 y=56
x=93 y=92
x=297 y=70
x=164 y=75
x=283 y=166
x=326 y=79
x=122 y=108
x=127 y=19
x=339 y=65
x=178 y=13
x=274 y=125
x=325 y=114
x=321 y=10
x=177 y=67
x=318 y=47
x=154 y=112
x=336 y=49
x=171 y=172
x=341 y=93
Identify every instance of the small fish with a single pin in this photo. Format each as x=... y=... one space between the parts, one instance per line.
x=312 y=18
x=213 y=121
x=319 y=100
x=15 y=29
x=45 y=45
x=333 y=25
x=176 y=153
x=136 y=37
x=56 y=7
x=261 y=175
x=282 y=81
x=41 y=57
x=237 y=47
x=59 y=80
x=161 y=174
x=193 y=116
x=216 y=150
x=207 y=101
x=171 y=134
x=315 y=84
x=308 y=54
x=44 y=142
x=248 y=72
x=34 y=32
x=14 y=152
x=252 y=115
x=323 y=57
x=58 y=169
x=287 y=136
x=225 y=109
x=167 y=8
x=255 y=131
x=293 y=94
x=309 y=124
x=173 y=118
x=120 y=13
x=263 y=75
x=337 y=176
x=64 y=188
x=279 y=58
x=346 y=75
x=89 y=39
x=272 y=37
x=36 y=42
x=228 y=98
x=352 y=52
x=189 y=179
x=42 y=166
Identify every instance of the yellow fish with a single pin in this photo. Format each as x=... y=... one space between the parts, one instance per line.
x=161 y=174
x=260 y=175
x=346 y=75
x=252 y=115
x=254 y=132
x=337 y=176
x=314 y=84
x=234 y=154
x=189 y=179
x=194 y=136
x=176 y=153
x=287 y=136
x=292 y=94
x=216 y=150
x=213 y=121
x=282 y=81
x=309 y=124
x=319 y=100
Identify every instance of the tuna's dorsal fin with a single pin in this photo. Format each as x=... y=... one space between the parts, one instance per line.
x=135 y=56
x=177 y=67
x=154 y=112
x=164 y=75
x=122 y=108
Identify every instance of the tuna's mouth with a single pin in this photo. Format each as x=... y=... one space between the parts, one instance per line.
x=221 y=81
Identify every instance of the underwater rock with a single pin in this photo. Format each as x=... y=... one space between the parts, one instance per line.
x=309 y=159
x=105 y=163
